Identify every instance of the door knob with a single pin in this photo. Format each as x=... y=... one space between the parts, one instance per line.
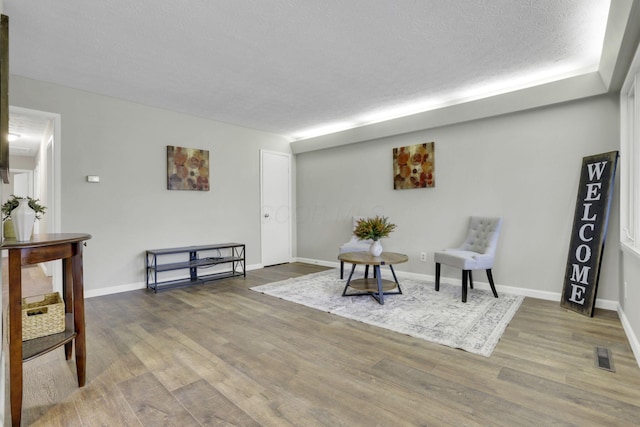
x=266 y=215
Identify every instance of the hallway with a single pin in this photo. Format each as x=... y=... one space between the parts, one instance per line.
x=34 y=281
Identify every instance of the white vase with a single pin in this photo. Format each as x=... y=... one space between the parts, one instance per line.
x=375 y=248
x=23 y=218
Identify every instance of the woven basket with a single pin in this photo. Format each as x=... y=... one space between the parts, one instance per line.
x=42 y=317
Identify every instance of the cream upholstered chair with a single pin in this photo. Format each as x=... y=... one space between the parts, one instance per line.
x=476 y=253
x=353 y=245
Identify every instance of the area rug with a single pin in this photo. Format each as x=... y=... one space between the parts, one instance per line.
x=420 y=311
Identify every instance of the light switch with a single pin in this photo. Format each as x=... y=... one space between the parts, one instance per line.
x=93 y=178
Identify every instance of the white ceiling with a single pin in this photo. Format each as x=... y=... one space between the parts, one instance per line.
x=293 y=67
x=30 y=127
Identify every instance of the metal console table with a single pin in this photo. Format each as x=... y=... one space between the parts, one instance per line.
x=195 y=259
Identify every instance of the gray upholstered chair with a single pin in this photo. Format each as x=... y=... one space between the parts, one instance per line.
x=476 y=253
x=353 y=245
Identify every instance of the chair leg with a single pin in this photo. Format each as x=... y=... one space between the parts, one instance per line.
x=437 y=276
x=470 y=280
x=464 y=285
x=341 y=270
x=493 y=287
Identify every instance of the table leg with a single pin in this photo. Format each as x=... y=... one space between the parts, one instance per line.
x=78 y=314
x=395 y=278
x=353 y=268
x=376 y=272
x=15 y=336
x=67 y=294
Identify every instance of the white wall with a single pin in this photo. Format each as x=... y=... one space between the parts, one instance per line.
x=524 y=166
x=131 y=210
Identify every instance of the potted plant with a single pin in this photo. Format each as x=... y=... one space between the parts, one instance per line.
x=12 y=203
x=374 y=229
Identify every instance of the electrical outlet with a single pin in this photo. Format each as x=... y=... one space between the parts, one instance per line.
x=423 y=256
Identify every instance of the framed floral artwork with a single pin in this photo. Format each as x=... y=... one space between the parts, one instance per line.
x=187 y=169
x=414 y=166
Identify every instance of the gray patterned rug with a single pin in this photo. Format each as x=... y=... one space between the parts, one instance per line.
x=420 y=312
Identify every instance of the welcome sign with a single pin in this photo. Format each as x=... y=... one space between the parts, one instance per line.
x=589 y=232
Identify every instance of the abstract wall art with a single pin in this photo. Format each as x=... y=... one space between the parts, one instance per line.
x=414 y=166
x=187 y=169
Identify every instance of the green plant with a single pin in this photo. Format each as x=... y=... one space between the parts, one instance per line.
x=13 y=203
x=373 y=228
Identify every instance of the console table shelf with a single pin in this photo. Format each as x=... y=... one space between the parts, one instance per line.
x=37 y=346
x=234 y=256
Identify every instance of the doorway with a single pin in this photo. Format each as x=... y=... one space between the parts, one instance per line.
x=275 y=180
x=38 y=145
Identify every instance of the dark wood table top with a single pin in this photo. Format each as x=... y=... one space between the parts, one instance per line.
x=45 y=239
x=385 y=258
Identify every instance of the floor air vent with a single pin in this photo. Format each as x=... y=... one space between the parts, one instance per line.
x=604 y=359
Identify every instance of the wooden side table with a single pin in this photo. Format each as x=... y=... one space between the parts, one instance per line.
x=376 y=287
x=42 y=248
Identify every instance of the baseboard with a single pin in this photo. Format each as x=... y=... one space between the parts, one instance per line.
x=90 y=293
x=43 y=268
x=317 y=262
x=631 y=336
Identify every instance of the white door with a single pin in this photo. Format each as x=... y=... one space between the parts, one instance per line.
x=275 y=181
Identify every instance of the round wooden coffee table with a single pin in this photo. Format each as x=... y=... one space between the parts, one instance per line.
x=377 y=287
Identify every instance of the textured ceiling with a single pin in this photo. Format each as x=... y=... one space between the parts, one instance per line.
x=30 y=129
x=289 y=67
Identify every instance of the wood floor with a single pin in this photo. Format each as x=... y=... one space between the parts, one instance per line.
x=34 y=280
x=220 y=354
